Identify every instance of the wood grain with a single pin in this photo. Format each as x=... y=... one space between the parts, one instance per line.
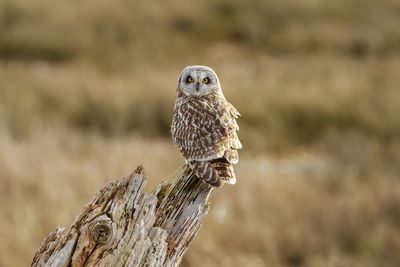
x=122 y=226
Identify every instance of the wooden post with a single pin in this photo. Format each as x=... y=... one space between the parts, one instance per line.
x=122 y=226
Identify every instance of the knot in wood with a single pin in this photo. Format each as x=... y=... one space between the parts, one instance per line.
x=101 y=232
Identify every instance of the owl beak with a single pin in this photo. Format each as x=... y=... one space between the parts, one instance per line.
x=197 y=87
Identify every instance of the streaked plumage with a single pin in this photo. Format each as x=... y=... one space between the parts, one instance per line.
x=204 y=126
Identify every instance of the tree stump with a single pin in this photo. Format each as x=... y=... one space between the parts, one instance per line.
x=122 y=226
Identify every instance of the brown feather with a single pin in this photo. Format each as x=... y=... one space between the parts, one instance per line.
x=205 y=171
x=204 y=128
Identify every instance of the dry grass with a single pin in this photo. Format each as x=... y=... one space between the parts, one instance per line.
x=87 y=91
x=298 y=210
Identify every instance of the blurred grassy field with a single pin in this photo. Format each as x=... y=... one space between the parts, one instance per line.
x=87 y=92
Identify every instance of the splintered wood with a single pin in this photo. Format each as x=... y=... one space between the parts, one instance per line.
x=122 y=226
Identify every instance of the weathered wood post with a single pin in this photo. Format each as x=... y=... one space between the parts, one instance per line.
x=122 y=226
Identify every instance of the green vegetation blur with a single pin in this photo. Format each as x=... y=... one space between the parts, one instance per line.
x=88 y=87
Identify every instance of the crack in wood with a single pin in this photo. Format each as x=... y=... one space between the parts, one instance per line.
x=123 y=226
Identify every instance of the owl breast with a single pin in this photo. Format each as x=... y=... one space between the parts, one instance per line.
x=204 y=128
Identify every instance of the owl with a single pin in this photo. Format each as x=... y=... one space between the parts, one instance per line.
x=204 y=126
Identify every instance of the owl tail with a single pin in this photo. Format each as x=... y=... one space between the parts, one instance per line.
x=225 y=170
x=214 y=172
x=205 y=171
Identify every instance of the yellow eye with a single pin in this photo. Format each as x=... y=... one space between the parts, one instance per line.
x=190 y=79
x=205 y=80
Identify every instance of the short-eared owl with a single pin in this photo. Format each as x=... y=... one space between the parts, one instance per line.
x=204 y=126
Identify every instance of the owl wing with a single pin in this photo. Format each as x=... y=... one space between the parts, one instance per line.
x=205 y=130
x=231 y=153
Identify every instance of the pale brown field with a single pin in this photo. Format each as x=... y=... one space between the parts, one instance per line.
x=87 y=92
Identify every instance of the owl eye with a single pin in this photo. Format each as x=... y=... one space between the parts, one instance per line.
x=206 y=80
x=189 y=79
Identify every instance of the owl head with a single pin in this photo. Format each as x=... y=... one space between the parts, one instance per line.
x=198 y=81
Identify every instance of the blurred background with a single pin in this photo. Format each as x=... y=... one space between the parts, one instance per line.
x=87 y=90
